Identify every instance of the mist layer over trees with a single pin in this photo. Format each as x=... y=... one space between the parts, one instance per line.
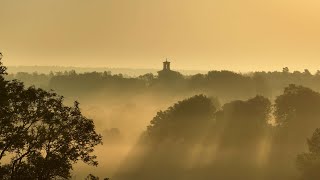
x=195 y=139
x=226 y=85
x=220 y=125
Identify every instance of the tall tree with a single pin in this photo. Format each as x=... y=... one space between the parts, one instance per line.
x=41 y=135
x=244 y=123
x=184 y=120
x=297 y=112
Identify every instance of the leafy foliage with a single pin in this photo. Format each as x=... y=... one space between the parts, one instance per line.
x=294 y=104
x=93 y=177
x=41 y=135
x=244 y=122
x=309 y=163
x=182 y=121
x=296 y=113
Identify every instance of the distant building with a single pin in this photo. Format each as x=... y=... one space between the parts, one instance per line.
x=166 y=66
x=167 y=74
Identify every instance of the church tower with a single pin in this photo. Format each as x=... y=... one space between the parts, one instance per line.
x=166 y=65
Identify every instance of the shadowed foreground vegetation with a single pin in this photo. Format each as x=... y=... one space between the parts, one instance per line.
x=40 y=137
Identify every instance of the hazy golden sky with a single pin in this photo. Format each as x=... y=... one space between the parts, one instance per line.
x=195 y=34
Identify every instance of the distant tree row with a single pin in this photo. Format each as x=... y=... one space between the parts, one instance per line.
x=224 y=84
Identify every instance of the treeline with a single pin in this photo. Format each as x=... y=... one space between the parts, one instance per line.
x=224 y=84
x=37 y=79
x=243 y=139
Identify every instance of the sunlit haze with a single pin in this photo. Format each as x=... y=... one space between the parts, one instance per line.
x=239 y=35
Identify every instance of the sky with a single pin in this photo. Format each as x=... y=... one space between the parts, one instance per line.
x=239 y=35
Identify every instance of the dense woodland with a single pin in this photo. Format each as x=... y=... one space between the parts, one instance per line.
x=226 y=125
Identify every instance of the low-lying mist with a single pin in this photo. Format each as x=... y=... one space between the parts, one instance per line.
x=121 y=121
x=220 y=125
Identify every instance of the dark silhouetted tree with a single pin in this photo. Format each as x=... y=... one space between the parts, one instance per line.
x=183 y=121
x=93 y=177
x=297 y=112
x=41 y=135
x=309 y=163
x=285 y=70
x=147 y=78
x=243 y=123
